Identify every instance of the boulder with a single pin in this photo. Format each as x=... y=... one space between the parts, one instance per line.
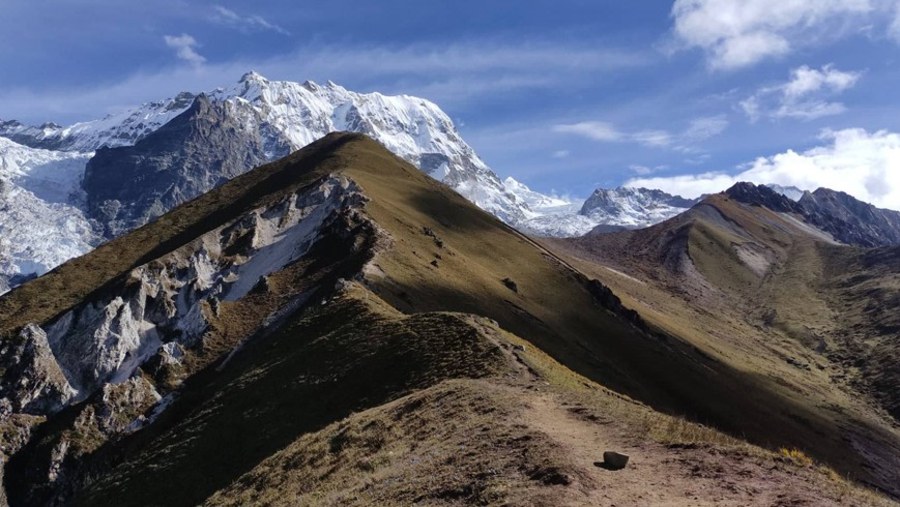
x=614 y=460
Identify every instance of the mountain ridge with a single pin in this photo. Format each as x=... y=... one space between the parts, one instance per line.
x=240 y=290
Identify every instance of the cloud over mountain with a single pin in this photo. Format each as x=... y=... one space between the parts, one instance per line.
x=862 y=163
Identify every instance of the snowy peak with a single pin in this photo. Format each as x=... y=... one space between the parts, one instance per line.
x=791 y=192
x=411 y=127
x=633 y=207
x=120 y=129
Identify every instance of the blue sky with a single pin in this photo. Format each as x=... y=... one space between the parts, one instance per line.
x=566 y=96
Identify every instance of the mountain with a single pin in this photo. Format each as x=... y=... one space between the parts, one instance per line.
x=338 y=328
x=181 y=147
x=844 y=217
x=791 y=192
x=197 y=151
x=120 y=129
x=850 y=220
x=605 y=210
x=633 y=207
x=761 y=288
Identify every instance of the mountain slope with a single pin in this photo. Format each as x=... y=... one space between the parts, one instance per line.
x=197 y=151
x=765 y=291
x=227 y=131
x=226 y=320
x=844 y=217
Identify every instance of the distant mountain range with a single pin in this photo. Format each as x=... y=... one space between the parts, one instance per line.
x=65 y=190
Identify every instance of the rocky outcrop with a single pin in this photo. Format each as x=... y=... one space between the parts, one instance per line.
x=761 y=195
x=850 y=220
x=33 y=382
x=165 y=304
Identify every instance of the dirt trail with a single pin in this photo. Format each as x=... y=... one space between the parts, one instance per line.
x=657 y=475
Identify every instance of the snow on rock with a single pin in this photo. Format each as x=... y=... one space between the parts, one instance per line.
x=411 y=127
x=167 y=301
x=792 y=193
x=633 y=207
x=41 y=220
x=121 y=129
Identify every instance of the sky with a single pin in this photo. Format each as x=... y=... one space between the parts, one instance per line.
x=566 y=96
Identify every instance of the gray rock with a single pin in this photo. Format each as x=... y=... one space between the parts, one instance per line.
x=33 y=381
x=198 y=150
x=614 y=460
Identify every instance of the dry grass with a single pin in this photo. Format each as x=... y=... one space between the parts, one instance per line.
x=455 y=443
x=797 y=456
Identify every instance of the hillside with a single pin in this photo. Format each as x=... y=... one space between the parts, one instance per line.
x=339 y=327
x=766 y=292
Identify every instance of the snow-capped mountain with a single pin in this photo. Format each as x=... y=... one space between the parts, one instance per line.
x=120 y=129
x=633 y=207
x=549 y=215
x=276 y=117
x=791 y=192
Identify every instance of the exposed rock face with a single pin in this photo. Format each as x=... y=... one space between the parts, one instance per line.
x=850 y=220
x=761 y=195
x=33 y=382
x=195 y=152
x=165 y=304
x=846 y=218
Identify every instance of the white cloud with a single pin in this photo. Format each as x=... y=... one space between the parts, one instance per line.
x=596 y=130
x=642 y=170
x=700 y=129
x=804 y=96
x=561 y=154
x=656 y=138
x=251 y=23
x=863 y=164
x=894 y=30
x=739 y=33
x=697 y=130
x=184 y=46
x=455 y=74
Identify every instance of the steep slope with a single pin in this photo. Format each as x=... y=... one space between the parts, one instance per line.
x=226 y=321
x=197 y=151
x=851 y=220
x=844 y=217
x=758 y=287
